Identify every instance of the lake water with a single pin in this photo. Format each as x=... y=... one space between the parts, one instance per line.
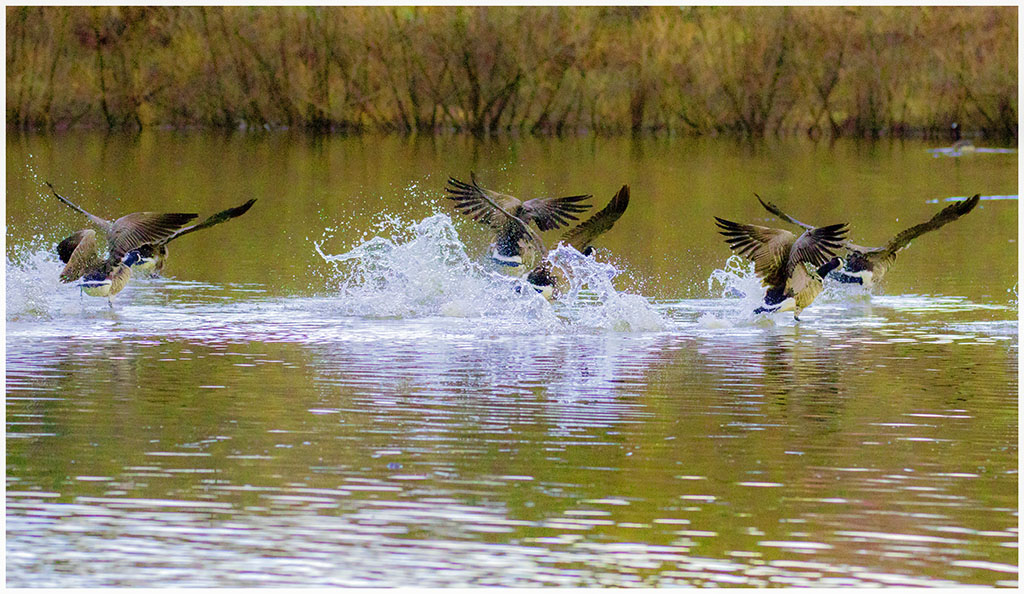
x=331 y=390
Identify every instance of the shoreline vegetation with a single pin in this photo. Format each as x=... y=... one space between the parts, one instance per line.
x=868 y=72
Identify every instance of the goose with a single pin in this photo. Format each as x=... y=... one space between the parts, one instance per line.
x=509 y=217
x=151 y=256
x=106 y=277
x=868 y=265
x=791 y=267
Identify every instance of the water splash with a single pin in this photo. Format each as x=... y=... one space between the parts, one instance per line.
x=741 y=289
x=33 y=287
x=834 y=291
x=593 y=298
x=737 y=278
x=424 y=269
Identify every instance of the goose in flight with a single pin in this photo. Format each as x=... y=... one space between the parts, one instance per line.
x=510 y=217
x=791 y=267
x=152 y=254
x=867 y=265
x=106 y=275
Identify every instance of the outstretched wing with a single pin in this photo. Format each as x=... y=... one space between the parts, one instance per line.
x=139 y=228
x=103 y=224
x=483 y=205
x=552 y=213
x=775 y=210
x=583 y=234
x=493 y=208
x=480 y=204
x=816 y=245
x=214 y=219
x=78 y=252
x=946 y=215
x=767 y=247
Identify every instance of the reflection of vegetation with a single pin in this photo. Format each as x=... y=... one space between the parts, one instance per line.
x=867 y=71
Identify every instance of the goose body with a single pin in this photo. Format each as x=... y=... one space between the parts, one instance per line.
x=106 y=274
x=790 y=267
x=542 y=280
x=803 y=286
x=97 y=277
x=107 y=280
x=151 y=258
x=866 y=266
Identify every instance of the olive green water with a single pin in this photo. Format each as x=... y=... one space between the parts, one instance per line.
x=263 y=416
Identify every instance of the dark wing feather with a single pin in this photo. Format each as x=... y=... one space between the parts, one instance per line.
x=799 y=280
x=775 y=210
x=583 y=234
x=816 y=245
x=214 y=219
x=480 y=204
x=138 y=228
x=552 y=213
x=946 y=215
x=67 y=247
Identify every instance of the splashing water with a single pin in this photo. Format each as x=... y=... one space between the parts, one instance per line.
x=594 y=299
x=740 y=288
x=737 y=278
x=33 y=286
x=424 y=269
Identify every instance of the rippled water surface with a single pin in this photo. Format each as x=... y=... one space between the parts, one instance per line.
x=332 y=390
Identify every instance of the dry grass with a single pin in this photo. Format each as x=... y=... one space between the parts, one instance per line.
x=870 y=71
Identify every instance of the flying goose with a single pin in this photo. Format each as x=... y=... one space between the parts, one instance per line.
x=152 y=254
x=106 y=276
x=510 y=217
x=867 y=265
x=791 y=267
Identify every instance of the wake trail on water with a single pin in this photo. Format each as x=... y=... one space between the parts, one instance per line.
x=424 y=269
